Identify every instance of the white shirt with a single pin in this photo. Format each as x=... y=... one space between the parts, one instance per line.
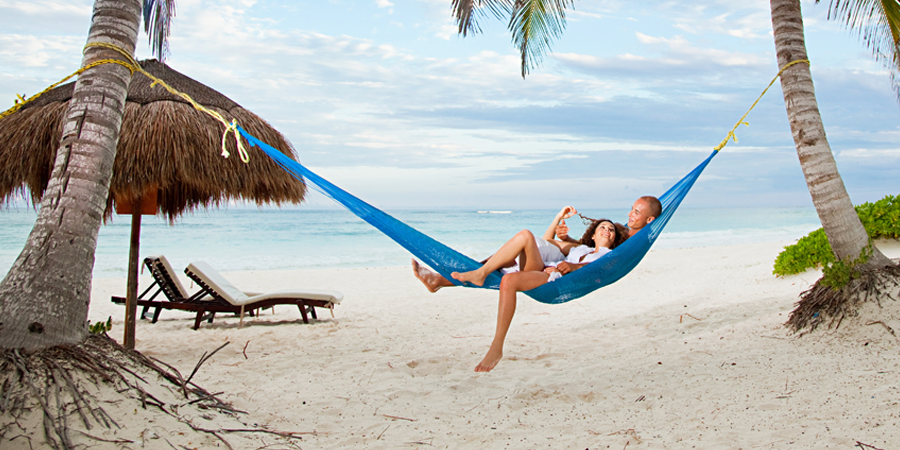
x=579 y=255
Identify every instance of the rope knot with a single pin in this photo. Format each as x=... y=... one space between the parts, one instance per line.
x=242 y=151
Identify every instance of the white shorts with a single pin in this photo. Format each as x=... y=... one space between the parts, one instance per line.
x=550 y=254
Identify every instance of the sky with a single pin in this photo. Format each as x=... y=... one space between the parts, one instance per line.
x=383 y=97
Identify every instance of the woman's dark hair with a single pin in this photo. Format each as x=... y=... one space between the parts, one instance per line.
x=619 y=235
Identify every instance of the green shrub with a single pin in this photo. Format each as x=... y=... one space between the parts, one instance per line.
x=100 y=327
x=838 y=274
x=881 y=220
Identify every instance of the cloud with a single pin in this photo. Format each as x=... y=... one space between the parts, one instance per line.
x=879 y=155
x=748 y=20
x=675 y=56
x=40 y=43
x=35 y=51
x=446 y=31
x=686 y=53
x=46 y=8
x=575 y=15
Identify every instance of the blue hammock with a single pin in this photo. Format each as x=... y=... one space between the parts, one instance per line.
x=604 y=271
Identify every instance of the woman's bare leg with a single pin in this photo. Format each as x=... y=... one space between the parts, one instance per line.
x=521 y=245
x=564 y=247
x=432 y=281
x=510 y=285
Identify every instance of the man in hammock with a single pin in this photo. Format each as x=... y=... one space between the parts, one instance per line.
x=643 y=211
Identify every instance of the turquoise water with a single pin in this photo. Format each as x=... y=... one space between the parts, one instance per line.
x=247 y=238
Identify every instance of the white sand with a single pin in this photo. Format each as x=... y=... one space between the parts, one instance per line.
x=688 y=351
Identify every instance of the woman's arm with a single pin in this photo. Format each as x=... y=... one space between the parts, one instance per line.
x=563 y=214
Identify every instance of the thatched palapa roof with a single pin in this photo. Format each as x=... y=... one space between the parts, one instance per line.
x=164 y=142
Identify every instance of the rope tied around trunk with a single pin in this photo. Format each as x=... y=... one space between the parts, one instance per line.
x=730 y=134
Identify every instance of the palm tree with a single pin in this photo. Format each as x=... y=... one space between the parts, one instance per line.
x=44 y=298
x=845 y=232
x=533 y=23
x=45 y=349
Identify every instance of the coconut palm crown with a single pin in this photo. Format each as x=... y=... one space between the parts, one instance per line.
x=158 y=16
x=877 y=23
x=533 y=23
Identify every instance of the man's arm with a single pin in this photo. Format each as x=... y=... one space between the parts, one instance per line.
x=562 y=233
x=567 y=267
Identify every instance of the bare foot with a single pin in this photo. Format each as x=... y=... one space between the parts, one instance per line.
x=473 y=277
x=431 y=280
x=489 y=362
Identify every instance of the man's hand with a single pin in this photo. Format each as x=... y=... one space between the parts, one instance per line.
x=562 y=231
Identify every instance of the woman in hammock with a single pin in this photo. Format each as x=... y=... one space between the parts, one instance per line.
x=523 y=252
x=600 y=237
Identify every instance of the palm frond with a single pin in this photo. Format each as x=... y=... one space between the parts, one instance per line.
x=468 y=11
x=534 y=23
x=877 y=23
x=158 y=16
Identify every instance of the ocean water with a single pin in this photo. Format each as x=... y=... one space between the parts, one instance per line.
x=247 y=238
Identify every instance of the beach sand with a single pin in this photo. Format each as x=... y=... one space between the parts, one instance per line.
x=688 y=351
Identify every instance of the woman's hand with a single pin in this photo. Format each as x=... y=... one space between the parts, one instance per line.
x=549 y=270
x=567 y=212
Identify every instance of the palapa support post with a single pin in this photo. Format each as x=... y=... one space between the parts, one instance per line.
x=135 y=207
x=131 y=293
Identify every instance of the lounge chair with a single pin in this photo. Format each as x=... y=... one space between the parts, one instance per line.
x=176 y=296
x=219 y=288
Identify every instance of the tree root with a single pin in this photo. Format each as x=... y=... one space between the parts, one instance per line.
x=60 y=384
x=824 y=305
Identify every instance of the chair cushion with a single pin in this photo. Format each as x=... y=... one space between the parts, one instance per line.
x=307 y=294
x=173 y=275
x=218 y=283
x=236 y=297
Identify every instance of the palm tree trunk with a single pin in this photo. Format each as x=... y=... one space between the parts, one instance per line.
x=45 y=296
x=845 y=232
